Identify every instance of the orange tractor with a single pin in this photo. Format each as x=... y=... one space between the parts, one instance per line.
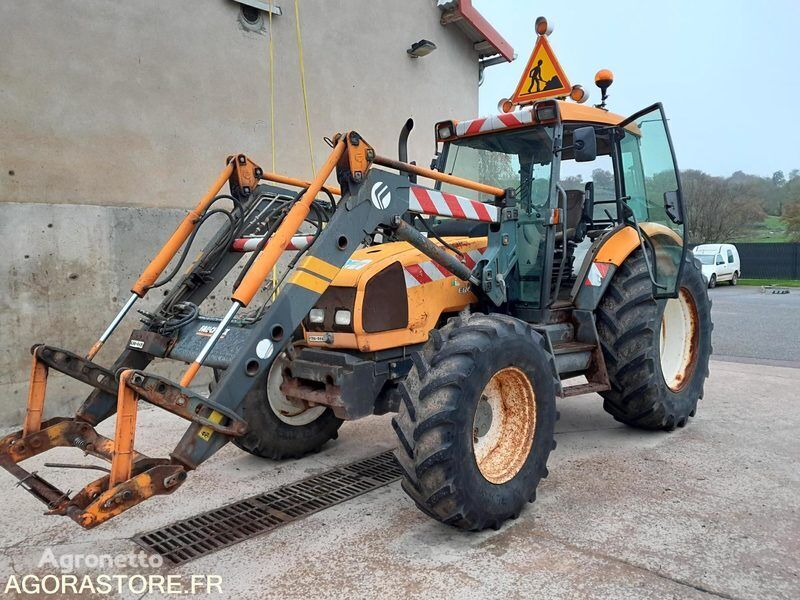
x=466 y=307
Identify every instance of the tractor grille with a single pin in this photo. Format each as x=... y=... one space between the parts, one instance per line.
x=219 y=528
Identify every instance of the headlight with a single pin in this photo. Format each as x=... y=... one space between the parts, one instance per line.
x=317 y=315
x=342 y=317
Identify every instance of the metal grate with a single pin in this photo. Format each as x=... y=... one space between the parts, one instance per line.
x=219 y=528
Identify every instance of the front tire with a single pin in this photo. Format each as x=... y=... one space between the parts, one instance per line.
x=712 y=282
x=476 y=423
x=279 y=429
x=656 y=351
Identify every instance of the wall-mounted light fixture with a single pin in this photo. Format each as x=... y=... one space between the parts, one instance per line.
x=421 y=48
x=251 y=13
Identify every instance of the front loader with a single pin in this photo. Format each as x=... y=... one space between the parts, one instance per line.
x=467 y=315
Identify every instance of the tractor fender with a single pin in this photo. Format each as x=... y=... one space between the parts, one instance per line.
x=608 y=253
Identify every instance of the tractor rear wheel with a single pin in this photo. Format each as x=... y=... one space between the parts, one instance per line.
x=656 y=351
x=476 y=422
x=281 y=428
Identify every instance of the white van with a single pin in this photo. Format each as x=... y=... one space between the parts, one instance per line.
x=720 y=263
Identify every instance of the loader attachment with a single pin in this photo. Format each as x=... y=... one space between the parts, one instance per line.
x=132 y=477
x=266 y=221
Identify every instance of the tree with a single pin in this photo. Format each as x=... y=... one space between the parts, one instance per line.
x=718 y=210
x=603 y=184
x=778 y=178
x=572 y=182
x=791 y=216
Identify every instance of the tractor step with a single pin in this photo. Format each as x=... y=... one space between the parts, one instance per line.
x=570 y=347
x=583 y=388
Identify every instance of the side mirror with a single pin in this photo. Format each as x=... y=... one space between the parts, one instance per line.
x=585 y=144
x=673 y=207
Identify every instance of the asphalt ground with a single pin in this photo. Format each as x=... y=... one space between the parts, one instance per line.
x=753 y=327
x=708 y=511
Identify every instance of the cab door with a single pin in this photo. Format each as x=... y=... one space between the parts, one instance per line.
x=651 y=188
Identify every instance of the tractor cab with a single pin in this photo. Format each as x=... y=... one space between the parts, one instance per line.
x=575 y=173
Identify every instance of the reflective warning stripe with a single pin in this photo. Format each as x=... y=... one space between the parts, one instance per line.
x=596 y=274
x=495 y=122
x=431 y=202
x=428 y=271
x=249 y=244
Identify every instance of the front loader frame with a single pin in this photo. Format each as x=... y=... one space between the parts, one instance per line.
x=372 y=200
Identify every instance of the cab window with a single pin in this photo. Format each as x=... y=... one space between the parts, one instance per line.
x=652 y=187
x=519 y=159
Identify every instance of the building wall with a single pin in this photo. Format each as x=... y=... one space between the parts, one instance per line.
x=117 y=115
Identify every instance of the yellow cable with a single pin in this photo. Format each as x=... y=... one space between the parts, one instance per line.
x=272 y=128
x=303 y=84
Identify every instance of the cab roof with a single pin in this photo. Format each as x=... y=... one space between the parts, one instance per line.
x=570 y=113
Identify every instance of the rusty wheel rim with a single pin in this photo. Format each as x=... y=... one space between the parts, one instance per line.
x=678 y=336
x=504 y=425
x=290 y=412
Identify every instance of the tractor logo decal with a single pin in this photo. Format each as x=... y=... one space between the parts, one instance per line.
x=356 y=264
x=543 y=77
x=428 y=271
x=381 y=196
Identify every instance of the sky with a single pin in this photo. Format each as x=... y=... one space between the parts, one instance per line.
x=727 y=72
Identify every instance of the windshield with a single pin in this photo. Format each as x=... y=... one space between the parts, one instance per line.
x=705 y=259
x=518 y=159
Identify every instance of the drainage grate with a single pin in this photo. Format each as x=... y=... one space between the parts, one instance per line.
x=222 y=527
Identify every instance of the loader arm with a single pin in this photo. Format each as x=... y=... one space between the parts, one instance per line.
x=372 y=201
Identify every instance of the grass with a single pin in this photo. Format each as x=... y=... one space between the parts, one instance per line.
x=780 y=282
x=771 y=229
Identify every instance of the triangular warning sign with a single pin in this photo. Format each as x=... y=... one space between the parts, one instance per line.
x=543 y=77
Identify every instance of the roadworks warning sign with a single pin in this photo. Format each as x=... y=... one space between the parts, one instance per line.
x=543 y=77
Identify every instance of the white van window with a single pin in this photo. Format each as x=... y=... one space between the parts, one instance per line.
x=730 y=256
x=720 y=260
x=705 y=259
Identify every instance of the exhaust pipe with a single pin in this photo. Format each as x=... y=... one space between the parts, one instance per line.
x=402 y=148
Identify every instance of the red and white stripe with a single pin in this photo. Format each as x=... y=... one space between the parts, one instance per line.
x=495 y=122
x=431 y=202
x=597 y=272
x=428 y=271
x=249 y=244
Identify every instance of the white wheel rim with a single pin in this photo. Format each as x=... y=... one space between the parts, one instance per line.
x=291 y=413
x=504 y=427
x=678 y=340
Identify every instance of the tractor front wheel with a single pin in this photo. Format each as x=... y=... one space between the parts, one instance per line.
x=476 y=423
x=281 y=428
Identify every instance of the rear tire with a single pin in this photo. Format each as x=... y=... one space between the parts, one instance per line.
x=476 y=421
x=735 y=278
x=656 y=351
x=283 y=436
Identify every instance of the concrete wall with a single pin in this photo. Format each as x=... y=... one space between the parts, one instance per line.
x=116 y=116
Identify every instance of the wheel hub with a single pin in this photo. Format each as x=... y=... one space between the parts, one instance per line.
x=504 y=425
x=678 y=339
x=287 y=410
x=483 y=418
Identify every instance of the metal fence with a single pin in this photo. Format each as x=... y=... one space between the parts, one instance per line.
x=770 y=261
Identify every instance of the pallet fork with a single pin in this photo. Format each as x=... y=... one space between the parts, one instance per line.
x=371 y=200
